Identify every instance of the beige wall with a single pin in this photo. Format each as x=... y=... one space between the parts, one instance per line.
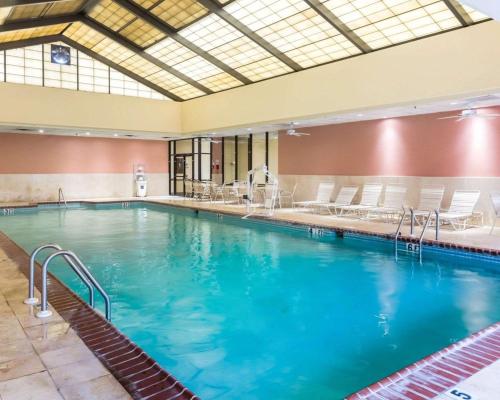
x=307 y=186
x=458 y=63
x=44 y=187
x=25 y=105
x=34 y=167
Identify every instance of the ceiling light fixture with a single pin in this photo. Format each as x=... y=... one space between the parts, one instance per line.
x=115 y=135
x=40 y=131
x=87 y=133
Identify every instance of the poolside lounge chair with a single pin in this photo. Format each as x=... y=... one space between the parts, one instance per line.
x=344 y=198
x=323 y=196
x=461 y=208
x=369 y=199
x=495 y=199
x=393 y=202
x=430 y=200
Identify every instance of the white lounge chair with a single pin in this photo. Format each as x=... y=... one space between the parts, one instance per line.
x=430 y=200
x=369 y=199
x=393 y=202
x=323 y=196
x=344 y=198
x=461 y=208
x=495 y=199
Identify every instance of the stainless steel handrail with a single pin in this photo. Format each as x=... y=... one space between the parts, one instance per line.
x=398 y=231
x=32 y=300
x=44 y=312
x=420 y=240
x=61 y=198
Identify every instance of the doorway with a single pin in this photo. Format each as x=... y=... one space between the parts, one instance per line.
x=183 y=174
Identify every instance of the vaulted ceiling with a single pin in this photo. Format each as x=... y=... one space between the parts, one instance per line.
x=190 y=48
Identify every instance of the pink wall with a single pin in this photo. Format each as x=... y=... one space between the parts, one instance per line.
x=43 y=154
x=409 y=146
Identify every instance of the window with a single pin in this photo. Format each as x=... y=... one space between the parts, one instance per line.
x=32 y=66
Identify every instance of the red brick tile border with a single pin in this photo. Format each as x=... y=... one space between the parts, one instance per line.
x=139 y=374
x=438 y=372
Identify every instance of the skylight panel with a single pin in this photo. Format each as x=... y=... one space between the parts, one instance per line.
x=176 y=13
x=210 y=32
x=220 y=82
x=187 y=92
x=263 y=69
x=383 y=23
x=475 y=15
x=239 y=52
x=31 y=33
x=111 y=15
x=170 y=52
x=141 y=33
x=31 y=11
x=295 y=29
x=118 y=19
x=257 y=14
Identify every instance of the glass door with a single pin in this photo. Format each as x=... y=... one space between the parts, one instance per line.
x=183 y=174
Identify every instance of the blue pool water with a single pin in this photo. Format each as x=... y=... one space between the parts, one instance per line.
x=241 y=310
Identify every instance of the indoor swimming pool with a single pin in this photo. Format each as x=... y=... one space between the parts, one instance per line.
x=251 y=310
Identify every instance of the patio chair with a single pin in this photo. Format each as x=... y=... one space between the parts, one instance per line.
x=344 y=198
x=202 y=191
x=322 y=196
x=286 y=194
x=369 y=199
x=393 y=202
x=236 y=192
x=218 y=191
x=461 y=208
x=495 y=199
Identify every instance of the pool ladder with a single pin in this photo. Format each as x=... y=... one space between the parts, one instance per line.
x=77 y=266
x=422 y=234
x=61 y=198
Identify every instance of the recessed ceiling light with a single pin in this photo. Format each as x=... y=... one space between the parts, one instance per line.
x=40 y=131
x=360 y=115
x=115 y=135
x=249 y=129
x=454 y=103
x=87 y=133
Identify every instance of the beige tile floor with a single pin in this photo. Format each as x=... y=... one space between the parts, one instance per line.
x=478 y=237
x=44 y=359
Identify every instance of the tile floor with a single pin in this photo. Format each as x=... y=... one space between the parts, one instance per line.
x=44 y=359
x=478 y=237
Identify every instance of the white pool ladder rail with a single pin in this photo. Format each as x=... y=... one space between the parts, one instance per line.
x=61 y=198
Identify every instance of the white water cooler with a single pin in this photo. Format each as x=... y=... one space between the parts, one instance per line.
x=141 y=183
x=141 y=188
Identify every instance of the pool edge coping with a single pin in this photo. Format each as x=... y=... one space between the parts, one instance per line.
x=431 y=243
x=118 y=353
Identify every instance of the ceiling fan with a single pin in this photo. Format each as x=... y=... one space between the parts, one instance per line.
x=293 y=132
x=210 y=140
x=470 y=113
